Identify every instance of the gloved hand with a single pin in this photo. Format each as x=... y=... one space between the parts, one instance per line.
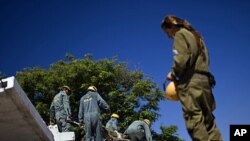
x=118 y=134
x=124 y=136
x=68 y=118
x=81 y=125
x=52 y=122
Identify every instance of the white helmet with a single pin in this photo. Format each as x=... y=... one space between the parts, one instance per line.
x=92 y=88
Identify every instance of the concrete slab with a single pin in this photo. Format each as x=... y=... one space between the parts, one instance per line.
x=19 y=119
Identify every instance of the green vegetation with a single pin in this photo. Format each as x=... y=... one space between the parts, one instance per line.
x=130 y=94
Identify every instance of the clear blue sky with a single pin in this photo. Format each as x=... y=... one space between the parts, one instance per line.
x=40 y=32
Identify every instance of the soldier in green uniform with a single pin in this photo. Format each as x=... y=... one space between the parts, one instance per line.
x=193 y=80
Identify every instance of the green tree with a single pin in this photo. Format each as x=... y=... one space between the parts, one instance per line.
x=168 y=133
x=131 y=94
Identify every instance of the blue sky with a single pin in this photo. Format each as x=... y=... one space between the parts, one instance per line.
x=38 y=33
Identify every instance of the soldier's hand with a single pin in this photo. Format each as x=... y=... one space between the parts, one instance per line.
x=170 y=76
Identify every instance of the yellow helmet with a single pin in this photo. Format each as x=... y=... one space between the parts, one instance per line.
x=92 y=88
x=171 y=92
x=147 y=121
x=115 y=115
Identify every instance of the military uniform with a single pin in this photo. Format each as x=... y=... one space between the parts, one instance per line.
x=138 y=131
x=191 y=72
x=60 y=110
x=89 y=114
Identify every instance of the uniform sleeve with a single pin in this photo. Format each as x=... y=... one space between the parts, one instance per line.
x=108 y=124
x=181 y=55
x=52 y=111
x=102 y=103
x=147 y=132
x=126 y=132
x=66 y=104
x=81 y=112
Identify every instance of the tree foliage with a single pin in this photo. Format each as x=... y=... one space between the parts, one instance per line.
x=130 y=94
x=168 y=133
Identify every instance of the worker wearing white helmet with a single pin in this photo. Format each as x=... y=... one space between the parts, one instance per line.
x=92 y=88
x=89 y=113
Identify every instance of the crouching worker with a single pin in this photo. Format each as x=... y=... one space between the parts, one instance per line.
x=139 y=131
x=89 y=113
x=60 y=110
x=111 y=125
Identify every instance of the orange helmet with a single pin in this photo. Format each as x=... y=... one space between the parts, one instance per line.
x=171 y=93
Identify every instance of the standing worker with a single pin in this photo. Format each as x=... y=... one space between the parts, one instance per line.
x=139 y=131
x=60 y=110
x=193 y=80
x=89 y=114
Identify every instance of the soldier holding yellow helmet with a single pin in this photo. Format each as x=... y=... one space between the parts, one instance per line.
x=192 y=78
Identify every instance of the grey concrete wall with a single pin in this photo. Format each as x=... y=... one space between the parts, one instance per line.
x=19 y=120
